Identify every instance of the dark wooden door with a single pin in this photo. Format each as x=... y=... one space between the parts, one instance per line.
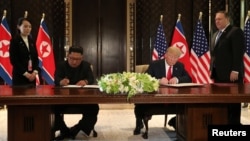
x=99 y=27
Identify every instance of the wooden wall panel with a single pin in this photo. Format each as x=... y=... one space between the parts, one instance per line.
x=149 y=11
x=99 y=26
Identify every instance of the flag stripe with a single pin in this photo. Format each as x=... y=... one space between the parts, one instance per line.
x=200 y=56
x=45 y=53
x=5 y=65
x=247 y=53
x=179 y=40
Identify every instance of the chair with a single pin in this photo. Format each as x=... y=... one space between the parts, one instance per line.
x=169 y=110
x=141 y=68
x=165 y=110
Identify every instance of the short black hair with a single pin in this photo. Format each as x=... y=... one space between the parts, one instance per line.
x=20 y=22
x=77 y=49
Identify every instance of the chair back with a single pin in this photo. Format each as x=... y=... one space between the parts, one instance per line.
x=141 y=68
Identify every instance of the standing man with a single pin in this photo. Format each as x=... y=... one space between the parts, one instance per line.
x=75 y=71
x=168 y=71
x=227 y=49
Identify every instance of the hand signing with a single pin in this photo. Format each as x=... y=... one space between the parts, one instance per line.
x=164 y=81
x=81 y=83
x=64 y=82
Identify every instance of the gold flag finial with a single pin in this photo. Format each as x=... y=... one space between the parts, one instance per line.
x=248 y=13
x=161 y=18
x=179 y=17
x=25 y=14
x=200 y=15
x=4 y=13
x=43 y=16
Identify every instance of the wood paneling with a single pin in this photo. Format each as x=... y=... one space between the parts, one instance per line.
x=99 y=27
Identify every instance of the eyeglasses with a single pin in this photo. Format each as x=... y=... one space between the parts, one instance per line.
x=75 y=58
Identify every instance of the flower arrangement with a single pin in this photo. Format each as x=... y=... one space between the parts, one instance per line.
x=129 y=83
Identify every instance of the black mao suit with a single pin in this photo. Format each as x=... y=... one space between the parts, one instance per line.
x=89 y=111
x=227 y=56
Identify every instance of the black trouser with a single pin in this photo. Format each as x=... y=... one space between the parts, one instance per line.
x=89 y=117
x=234 y=113
x=234 y=109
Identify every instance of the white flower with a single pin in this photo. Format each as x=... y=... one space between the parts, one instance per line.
x=128 y=82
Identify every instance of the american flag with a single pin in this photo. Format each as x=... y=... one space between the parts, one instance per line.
x=45 y=53
x=200 y=56
x=160 y=44
x=5 y=65
x=179 y=40
x=247 y=53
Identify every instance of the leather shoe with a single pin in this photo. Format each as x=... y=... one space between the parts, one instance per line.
x=61 y=136
x=172 y=122
x=245 y=105
x=74 y=131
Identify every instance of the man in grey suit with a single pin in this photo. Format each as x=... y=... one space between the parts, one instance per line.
x=227 y=50
x=160 y=70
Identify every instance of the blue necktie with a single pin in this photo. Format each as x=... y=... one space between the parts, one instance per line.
x=218 y=37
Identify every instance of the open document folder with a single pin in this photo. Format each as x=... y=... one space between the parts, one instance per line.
x=183 y=85
x=86 y=86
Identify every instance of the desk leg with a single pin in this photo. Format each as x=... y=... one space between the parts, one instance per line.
x=29 y=123
x=192 y=122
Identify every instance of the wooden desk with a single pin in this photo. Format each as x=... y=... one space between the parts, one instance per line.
x=30 y=115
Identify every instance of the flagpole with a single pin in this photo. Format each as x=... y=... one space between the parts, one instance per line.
x=25 y=14
x=200 y=16
x=161 y=18
x=179 y=17
x=4 y=13
x=43 y=16
x=248 y=13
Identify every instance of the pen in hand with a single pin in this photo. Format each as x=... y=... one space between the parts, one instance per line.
x=65 y=81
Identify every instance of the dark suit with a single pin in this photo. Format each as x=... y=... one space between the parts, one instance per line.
x=227 y=56
x=89 y=111
x=19 y=57
x=82 y=72
x=157 y=69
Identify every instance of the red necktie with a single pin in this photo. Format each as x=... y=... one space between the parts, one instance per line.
x=169 y=73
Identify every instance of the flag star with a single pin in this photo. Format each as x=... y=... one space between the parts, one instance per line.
x=200 y=56
x=160 y=43
x=4 y=49
x=247 y=36
x=180 y=46
x=45 y=49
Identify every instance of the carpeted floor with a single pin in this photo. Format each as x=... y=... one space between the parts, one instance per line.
x=118 y=125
